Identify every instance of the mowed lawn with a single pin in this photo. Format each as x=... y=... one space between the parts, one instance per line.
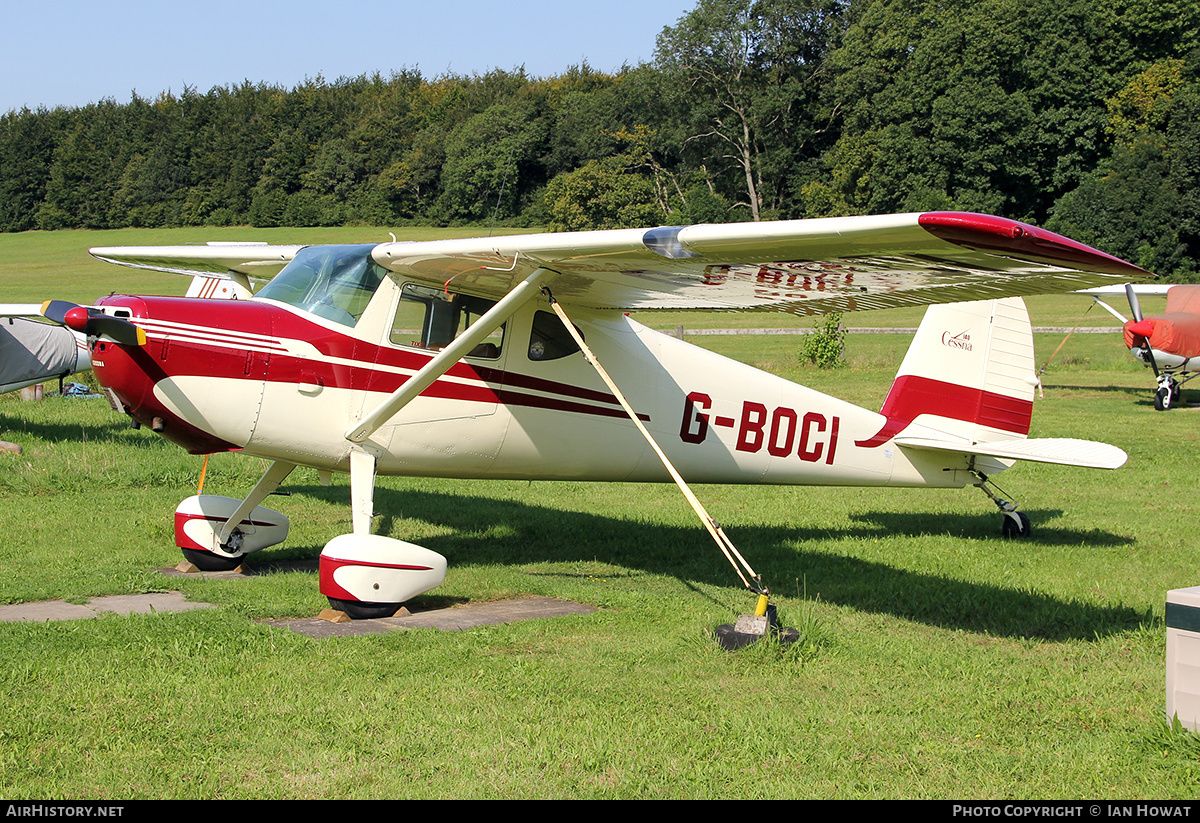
x=935 y=659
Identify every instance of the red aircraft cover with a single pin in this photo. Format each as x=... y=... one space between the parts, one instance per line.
x=1176 y=332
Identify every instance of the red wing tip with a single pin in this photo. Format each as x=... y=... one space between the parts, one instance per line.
x=985 y=231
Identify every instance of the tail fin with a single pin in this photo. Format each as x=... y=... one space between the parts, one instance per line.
x=966 y=387
x=969 y=372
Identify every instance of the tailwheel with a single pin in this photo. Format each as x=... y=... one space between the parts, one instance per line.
x=1015 y=525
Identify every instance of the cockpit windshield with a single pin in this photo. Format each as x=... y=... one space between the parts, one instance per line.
x=334 y=282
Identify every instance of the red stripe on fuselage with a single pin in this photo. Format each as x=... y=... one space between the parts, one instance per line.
x=222 y=339
x=912 y=396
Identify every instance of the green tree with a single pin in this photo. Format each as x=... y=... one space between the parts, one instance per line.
x=26 y=150
x=601 y=194
x=1143 y=203
x=990 y=105
x=746 y=76
x=490 y=163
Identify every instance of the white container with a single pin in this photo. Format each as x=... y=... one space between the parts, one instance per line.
x=1183 y=656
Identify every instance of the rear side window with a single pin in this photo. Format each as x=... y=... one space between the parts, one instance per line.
x=549 y=339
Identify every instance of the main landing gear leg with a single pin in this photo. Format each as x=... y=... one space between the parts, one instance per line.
x=1013 y=524
x=215 y=533
x=366 y=575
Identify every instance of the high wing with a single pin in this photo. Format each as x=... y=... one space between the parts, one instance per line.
x=250 y=259
x=797 y=266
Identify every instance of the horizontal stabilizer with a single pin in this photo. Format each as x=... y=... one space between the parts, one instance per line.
x=1064 y=451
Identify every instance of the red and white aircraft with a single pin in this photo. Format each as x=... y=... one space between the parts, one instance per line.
x=1168 y=343
x=451 y=358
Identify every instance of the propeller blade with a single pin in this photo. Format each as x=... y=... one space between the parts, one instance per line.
x=93 y=322
x=56 y=310
x=1144 y=328
x=1134 y=305
x=117 y=329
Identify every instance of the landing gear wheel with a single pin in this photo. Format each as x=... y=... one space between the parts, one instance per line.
x=209 y=562
x=1012 y=529
x=1162 y=399
x=357 y=610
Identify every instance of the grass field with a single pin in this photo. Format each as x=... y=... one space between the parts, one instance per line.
x=935 y=660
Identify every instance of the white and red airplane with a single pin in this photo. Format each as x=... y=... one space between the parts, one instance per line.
x=33 y=351
x=451 y=358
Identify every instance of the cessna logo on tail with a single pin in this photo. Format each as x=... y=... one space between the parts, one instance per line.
x=962 y=340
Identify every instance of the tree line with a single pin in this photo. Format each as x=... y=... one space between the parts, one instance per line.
x=1079 y=115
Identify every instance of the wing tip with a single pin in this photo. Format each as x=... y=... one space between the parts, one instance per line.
x=985 y=231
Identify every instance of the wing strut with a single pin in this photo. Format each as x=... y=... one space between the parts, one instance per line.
x=276 y=474
x=752 y=581
x=491 y=320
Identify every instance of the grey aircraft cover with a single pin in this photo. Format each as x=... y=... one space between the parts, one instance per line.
x=31 y=351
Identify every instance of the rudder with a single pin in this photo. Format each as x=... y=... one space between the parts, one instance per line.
x=969 y=372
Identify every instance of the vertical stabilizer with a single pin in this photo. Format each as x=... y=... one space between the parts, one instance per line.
x=220 y=287
x=969 y=373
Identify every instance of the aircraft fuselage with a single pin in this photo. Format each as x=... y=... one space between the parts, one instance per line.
x=284 y=384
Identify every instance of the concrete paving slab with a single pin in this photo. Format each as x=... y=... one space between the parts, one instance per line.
x=242 y=572
x=155 y=602
x=457 y=618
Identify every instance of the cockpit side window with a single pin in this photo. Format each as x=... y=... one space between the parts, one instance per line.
x=428 y=318
x=334 y=282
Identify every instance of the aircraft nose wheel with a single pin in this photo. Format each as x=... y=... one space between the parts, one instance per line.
x=1167 y=393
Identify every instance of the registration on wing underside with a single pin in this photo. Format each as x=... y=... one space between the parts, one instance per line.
x=810 y=287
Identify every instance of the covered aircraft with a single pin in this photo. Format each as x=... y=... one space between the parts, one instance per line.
x=512 y=357
x=33 y=351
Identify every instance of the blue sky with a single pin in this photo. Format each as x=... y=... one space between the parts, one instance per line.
x=73 y=52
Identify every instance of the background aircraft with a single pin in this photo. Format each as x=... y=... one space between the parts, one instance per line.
x=511 y=357
x=1168 y=343
x=33 y=351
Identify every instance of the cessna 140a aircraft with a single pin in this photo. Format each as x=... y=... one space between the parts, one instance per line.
x=486 y=358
